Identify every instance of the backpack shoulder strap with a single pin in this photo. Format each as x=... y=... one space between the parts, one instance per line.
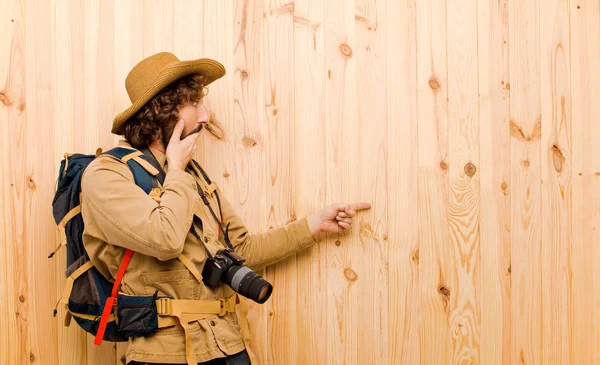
x=144 y=173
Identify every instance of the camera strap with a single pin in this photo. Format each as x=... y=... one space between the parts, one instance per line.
x=161 y=178
x=207 y=203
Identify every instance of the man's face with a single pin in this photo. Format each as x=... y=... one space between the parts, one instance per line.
x=195 y=116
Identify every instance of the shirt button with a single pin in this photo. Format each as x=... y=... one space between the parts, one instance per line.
x=212 y=323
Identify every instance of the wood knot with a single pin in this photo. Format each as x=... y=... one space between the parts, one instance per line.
x=226 y=174
x=22 y=298
x=522 y=356
x=21 y=106
x=244 y=74
x=338 y=243
x=5 y=99
x=557 y=158
x=275 y=111
x=443 y=166
x=346 y=50
x=504 y=188
x=30 y=183
x=329 y=73
x=31 y=357
x=470 y=169
x=507 y=86
x=415 y=256
x=434 y=84
x=271 y=313
x=595 y=173
x=509 y=269
x=444 y=291
x=248 y=142
x=525 y=163
x=350 y=274
x=385 y=237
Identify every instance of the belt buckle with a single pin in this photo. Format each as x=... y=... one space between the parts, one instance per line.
x=164 y=306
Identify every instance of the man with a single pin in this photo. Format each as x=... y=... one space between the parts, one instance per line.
x=174 y=230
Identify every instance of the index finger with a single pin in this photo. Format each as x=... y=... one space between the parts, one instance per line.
x=359 y=206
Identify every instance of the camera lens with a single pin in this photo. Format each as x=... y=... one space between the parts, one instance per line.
x=248 y=283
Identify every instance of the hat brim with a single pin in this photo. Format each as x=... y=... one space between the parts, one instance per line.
x=206 y=67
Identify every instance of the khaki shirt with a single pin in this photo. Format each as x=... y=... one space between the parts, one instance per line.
x=119 y=215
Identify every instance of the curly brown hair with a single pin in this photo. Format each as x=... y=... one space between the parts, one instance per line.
x=157 y=118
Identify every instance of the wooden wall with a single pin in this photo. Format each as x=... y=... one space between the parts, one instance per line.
x=472 y=126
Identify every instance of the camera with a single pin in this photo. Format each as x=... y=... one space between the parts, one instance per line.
x=226 y=266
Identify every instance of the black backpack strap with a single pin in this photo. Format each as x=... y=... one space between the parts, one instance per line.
x=149 y=156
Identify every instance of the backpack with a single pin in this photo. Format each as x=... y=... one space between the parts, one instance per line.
x=88 y=293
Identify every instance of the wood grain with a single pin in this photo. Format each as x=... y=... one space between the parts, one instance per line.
x=495 y=189
x=556 y=171
x=526 y=204
x=398 y=25
x=15 y=307
x=278 y=104
x=463 y=166
x=585 y=214
x=436 y=264
x=341 y=138
x=309 y=140
x=250 y=181
x=372 y=266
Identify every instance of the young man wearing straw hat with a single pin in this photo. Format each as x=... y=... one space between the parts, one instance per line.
x=184 y=222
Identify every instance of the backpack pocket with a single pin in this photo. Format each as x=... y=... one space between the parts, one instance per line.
x=137 y=315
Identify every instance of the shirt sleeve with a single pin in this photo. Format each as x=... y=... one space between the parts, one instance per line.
x=120 y=213
x=266 y=248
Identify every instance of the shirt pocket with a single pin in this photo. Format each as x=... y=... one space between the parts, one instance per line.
x=179 y=284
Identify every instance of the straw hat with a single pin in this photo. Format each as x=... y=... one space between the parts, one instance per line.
x=156 y=72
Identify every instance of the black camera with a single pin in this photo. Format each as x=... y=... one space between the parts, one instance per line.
x=226 y=266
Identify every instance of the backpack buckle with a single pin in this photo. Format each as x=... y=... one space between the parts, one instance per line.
x=164 y=306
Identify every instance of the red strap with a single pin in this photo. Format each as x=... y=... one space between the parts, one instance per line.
x=110 y=301
x=122 y=268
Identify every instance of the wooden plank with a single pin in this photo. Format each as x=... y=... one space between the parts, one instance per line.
x=585 y=213
x=309 y=163
x=35 y=181
x=158 y=27
x=248 y=138
x=99 y=68
x=494 y=159
x=341 y=136
x=525 y=130
x=371 y=265
x=399 y=25
x=556 y=171
x=435 y=257
x=463 y=163
x=14 y=280
x=216 y=40
x=280 y=171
